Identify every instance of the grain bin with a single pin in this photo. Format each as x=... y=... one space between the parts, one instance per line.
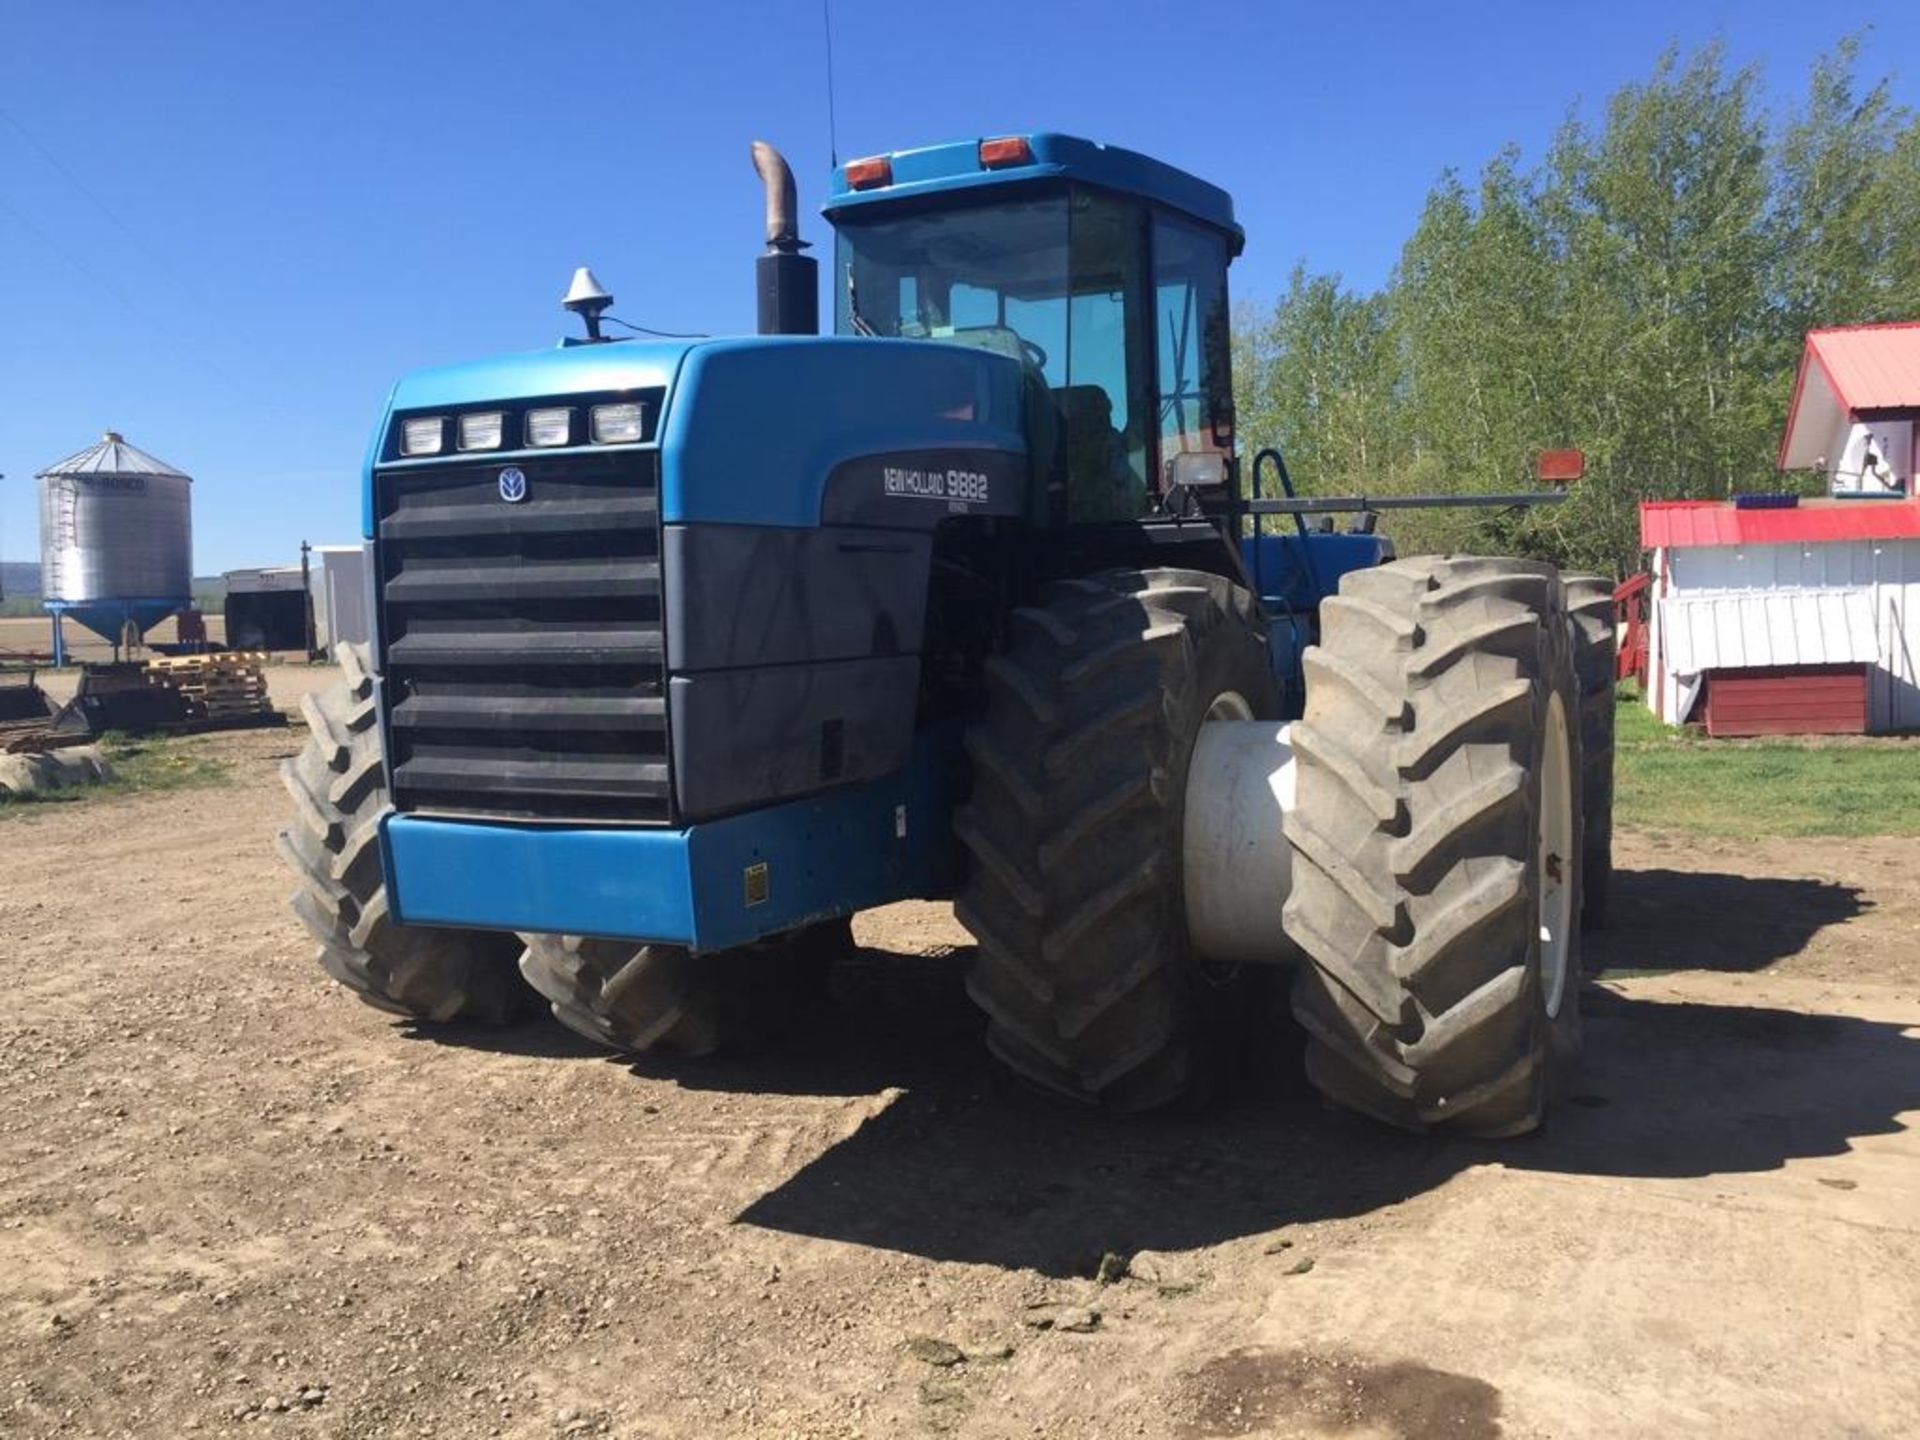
x=116 y=539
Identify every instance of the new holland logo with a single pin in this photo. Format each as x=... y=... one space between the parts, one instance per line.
x=513 y=486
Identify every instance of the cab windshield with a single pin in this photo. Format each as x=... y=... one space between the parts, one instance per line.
x=1055 y=281
x=992 y=275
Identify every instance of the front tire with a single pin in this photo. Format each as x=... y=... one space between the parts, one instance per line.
x=664 y=999
x=1084 y=970
x=333 y=845
x=1436 y=846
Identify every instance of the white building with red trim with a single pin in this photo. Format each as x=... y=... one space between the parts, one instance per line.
x=1776 y=616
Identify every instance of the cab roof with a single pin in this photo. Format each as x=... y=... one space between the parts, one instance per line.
x=955 y=166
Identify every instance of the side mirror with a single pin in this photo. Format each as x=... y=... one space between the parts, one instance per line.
x=1197 y=470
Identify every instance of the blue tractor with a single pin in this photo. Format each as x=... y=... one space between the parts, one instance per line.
x=687 y=651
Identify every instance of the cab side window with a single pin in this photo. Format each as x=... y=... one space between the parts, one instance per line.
x=1192 y=332
x=1106 y=404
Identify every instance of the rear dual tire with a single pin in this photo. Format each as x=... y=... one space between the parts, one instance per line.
x=1436 y=861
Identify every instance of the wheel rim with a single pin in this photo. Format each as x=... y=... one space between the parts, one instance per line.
x=1228 y=705
x=1554 y=858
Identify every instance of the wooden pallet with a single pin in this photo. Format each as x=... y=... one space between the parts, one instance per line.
x=225 y=686
x=223 y=690
x=215 y=660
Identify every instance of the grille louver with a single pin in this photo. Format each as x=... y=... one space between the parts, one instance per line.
x=524 y=654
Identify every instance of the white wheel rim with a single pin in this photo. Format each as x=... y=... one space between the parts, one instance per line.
x=1228 y=705
x=1554 y=858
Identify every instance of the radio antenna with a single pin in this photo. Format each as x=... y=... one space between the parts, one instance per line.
x=833 y=145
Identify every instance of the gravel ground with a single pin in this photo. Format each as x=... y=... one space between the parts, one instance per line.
x=234 y=1200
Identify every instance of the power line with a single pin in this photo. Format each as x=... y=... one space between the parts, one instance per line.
x=180 y=347
x=139 y=241
x=205 y=307
x=89 y=274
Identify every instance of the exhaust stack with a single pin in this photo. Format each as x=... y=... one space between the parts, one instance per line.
x=786 y=283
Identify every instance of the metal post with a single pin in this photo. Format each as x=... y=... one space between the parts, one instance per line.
x=306 y=593
x=59 y=641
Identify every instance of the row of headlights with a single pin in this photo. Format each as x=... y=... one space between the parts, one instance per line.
x=619 y=423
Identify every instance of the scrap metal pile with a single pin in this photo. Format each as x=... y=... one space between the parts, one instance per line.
x=27 y=713
x=168 y=694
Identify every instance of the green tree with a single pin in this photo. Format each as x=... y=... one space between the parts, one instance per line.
x=1320 y=372
x=1668 y=253
x=1642 y=294
x=1847 y=206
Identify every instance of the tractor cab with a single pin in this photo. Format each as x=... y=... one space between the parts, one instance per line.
x=1104 y=272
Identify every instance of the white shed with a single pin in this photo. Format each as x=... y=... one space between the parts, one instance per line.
x=1787 y=619
x=1771 y=615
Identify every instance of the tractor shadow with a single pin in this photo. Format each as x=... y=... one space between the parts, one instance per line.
x=534 y=1036
x=1664 y=920
x=960 y=1168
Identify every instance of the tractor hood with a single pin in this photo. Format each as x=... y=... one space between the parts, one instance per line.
x=613 y=369
x=565 y=370
x=750 y=429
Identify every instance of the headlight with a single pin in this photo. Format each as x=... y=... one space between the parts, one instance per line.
x=424 y=436
x=481 y=431
x=616 y=424
x=546 y=428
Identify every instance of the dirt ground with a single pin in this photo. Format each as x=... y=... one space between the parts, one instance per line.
x=234 y=1200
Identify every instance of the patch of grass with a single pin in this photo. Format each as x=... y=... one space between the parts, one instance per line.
x=141 y=763
x=145 y=762
x=1678 y=779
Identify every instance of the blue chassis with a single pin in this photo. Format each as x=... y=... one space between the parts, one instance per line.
x=701 y=886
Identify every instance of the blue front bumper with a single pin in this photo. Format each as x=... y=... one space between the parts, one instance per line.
x=709 y=886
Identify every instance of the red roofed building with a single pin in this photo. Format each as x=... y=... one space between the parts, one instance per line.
x=1781 y=616
x=1855 y=402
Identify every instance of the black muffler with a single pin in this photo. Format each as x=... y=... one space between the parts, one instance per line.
x=786 y=283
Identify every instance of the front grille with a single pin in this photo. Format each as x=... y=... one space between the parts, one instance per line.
x=523 y=650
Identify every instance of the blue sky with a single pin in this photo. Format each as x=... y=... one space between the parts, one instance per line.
x=225 y=228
